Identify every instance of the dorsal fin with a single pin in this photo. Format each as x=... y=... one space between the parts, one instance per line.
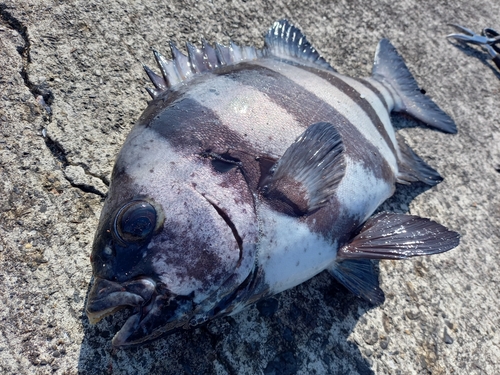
x=283 y=40
x=198 y=61
x=286 y=41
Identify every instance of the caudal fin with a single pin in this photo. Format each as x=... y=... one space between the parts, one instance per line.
x=390 y=68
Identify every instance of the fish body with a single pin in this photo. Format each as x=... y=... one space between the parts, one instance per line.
x=250 y=172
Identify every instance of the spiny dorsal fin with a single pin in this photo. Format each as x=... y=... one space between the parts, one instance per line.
x=283 y=40
x=198 y=60
x=286 y=41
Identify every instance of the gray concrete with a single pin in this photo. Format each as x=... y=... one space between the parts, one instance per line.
x=441 y=315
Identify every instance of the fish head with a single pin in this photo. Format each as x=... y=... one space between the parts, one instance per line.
x=177 y=234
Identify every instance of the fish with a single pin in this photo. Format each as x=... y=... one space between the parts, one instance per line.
x=251 y=171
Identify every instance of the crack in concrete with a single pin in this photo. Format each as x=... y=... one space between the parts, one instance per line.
x=42 y=94
x=56 y=150
x=44 y=97
x=87 y=188
x=104 y=179
x=59 y=153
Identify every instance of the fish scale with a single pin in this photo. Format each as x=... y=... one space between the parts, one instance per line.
x=251 y=171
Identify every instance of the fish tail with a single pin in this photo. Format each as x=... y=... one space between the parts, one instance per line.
x=390 y=69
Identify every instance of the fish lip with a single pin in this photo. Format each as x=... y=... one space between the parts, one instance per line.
x=164 y=313
x=155 y=310
x=106 y=297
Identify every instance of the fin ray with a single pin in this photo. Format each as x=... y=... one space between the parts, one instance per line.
x=168 y=69
x=360 y=278
x=181 y=63
x=399 y=236
x=310 y=170
x=211 y=55
x=390 y=68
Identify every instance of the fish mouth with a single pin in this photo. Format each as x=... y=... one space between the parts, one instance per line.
x=155 y=311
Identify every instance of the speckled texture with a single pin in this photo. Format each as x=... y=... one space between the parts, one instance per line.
x=84 y=58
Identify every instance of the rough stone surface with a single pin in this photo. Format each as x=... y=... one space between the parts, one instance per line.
x=71 y=87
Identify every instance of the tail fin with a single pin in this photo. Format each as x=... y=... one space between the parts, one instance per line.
x=390 y=68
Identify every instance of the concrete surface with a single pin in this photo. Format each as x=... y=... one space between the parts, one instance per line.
x=71 y=87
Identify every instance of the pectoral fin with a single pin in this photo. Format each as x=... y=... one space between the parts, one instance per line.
x=309 y=171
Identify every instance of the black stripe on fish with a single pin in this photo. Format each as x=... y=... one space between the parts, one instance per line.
x=373 y=89
x=192 y=128
x=186 y=124
x=311 y=109
x=360 y=101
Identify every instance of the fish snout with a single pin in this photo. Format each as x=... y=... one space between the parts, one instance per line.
x=106 y=297
x=155 y=310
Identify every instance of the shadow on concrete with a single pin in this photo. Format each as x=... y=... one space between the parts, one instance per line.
x=484 y=57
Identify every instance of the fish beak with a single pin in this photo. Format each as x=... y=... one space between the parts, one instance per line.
x=153 y=313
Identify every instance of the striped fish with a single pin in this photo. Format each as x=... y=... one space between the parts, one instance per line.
x=250 y=172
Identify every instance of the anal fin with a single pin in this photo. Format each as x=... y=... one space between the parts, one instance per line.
x=387 y=236
x=399 y=236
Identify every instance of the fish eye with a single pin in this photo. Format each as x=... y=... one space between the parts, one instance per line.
x=135 y=221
